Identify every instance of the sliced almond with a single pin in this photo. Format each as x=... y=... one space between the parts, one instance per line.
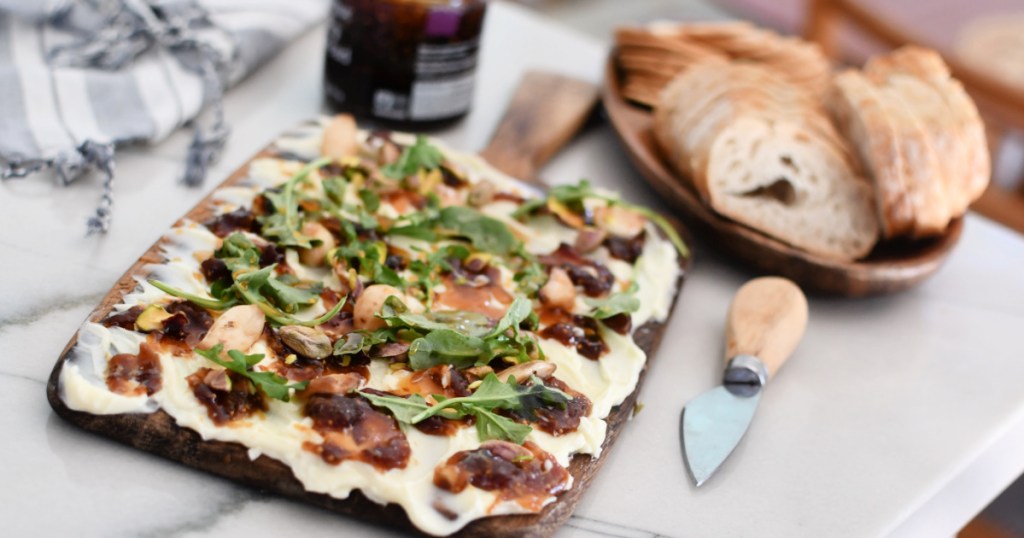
x=315 y=256
x=339 y=139
x=335 y=384
x=618 y=220
x=237 y=328
x=559 y=291
x=368 y=305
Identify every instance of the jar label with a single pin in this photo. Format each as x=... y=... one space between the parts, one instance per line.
x=443 y=84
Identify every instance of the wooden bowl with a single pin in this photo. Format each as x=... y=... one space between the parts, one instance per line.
x=892 y=266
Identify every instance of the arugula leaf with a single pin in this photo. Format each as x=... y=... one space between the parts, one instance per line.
x=625 y=302
x=519 y=310
x=413 y=158
x=485 y=233
x=403 y=409
x=573 y=196
x=371 y=201
x=291 y=298
x=538 y=391
x=495 y=395
x=334 y=189
x=491 y=395
x=428 y=271
x=270 y=383
x=422 y=232
x=211 y=304
x=361 y=341
x=369 y=257
x=238 y=253
x=569 y=195
x=461 y=338
x=254 y=286
x=465 y=322
x=382 y=274
x=446 y=346
x=530 y=275
x=283 y=226
x=494 y=426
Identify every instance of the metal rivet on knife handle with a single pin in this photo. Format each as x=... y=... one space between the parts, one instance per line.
x=766 y=320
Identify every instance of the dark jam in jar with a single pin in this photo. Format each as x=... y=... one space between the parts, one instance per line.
x=408 y=63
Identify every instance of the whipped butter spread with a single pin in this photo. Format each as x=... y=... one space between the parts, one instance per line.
x=397 y=318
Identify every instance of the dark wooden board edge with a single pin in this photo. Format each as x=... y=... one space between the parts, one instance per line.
x=890 y=268
x=157 y=432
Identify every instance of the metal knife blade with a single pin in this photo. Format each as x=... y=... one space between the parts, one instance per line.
x=711 y=426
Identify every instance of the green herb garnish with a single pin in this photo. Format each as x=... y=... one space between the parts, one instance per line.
x=271 y=384
x=238 y=253
x=371 y=200
x=361 y=341
x=462 y=338
x=487 y=234
x=211 y=304
x=420 y=155
x=368 y=258
x=284 y=225
x=625 y=302
x=489 y=397
x=273 y=295
x=573 y=195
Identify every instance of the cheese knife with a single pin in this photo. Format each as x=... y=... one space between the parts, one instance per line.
x=766 y=319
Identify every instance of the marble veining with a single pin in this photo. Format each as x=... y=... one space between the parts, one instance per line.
x=42 y=312
x=595 y=527
x=240 y=500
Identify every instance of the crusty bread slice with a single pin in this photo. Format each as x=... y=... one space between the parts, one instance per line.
x=951 y=119
x=908 y=103
x=782 y=180
x=862 y=117
x=918 y=135
x=671 y=48
x=701 y=101
x=761 y=151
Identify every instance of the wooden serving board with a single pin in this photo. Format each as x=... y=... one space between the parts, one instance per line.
x=530 y=114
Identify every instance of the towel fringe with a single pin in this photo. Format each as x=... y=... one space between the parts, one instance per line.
x=132 y=28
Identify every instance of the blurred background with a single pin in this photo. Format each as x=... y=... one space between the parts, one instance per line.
x=983 y=40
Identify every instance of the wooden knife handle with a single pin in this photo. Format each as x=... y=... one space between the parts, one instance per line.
x=546 y=110
x=767 y=318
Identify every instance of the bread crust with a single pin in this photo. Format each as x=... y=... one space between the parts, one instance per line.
x=957 y=131
x=858 y=111
x=675 y=48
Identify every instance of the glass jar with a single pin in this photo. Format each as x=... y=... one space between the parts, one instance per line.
x=407 y=63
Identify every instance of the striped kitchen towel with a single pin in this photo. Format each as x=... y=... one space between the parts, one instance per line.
x=79 y=77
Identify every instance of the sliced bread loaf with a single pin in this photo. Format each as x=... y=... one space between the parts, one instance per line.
x=950 y=118
x=780 y=179
x=860 y=114
x=761 y=151
x=918 y=136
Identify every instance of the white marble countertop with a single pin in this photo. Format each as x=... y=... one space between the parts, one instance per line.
x=899 y=415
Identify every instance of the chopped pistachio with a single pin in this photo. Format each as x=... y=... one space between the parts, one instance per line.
x=152 y=318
